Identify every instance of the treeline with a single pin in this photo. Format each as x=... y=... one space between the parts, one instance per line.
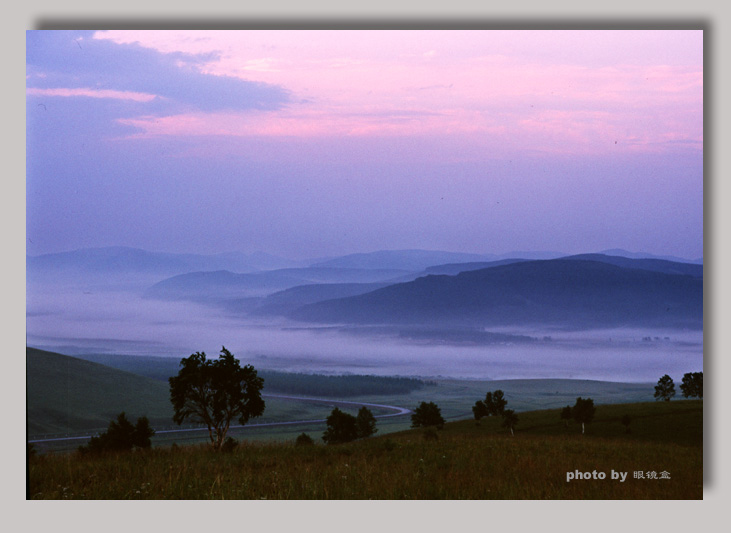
x=338 y=386
x=163 y=368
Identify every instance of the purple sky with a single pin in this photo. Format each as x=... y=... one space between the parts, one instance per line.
x=314 y=143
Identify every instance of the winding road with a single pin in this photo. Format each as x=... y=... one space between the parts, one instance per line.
x=398 y=411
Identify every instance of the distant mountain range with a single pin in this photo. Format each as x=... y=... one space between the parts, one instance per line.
x=284 y=302
x=123 y=262
x=572 y=292
x=410 y=260
x=224 y=285
x=407 y=287
x=641 y=255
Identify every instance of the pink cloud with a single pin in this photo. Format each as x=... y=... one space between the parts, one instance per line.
x=92 y=93
x=552 y=91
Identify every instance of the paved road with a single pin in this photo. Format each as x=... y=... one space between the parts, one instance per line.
x=398 y=411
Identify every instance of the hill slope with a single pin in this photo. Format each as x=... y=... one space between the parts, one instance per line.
x=59 y=389
x=413 y=260
x=223 y=285
x=560 y=292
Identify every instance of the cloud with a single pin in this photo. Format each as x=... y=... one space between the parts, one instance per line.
x=72 y=63
x=301 y=84
x=92 y=93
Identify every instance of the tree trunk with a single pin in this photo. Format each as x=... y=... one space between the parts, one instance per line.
x=582 y=428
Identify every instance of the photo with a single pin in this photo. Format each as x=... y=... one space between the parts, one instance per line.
x=360 y=264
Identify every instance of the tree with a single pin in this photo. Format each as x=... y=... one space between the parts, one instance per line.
x=365 y=423
x=489 y=404
x=215 y=392
x=510 y=419
x=479 y=410
x=427 y=415
x=493 y=405
x=498 y=403
x=121 y=436
x=692 y=385
x=583 y=411
x=566 y=415
x=665 y=388
x=341 y=427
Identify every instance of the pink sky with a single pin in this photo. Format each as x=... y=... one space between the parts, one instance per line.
x=552 y=91
x=314 y=143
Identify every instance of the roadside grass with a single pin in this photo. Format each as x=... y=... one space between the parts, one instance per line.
x=467 y=461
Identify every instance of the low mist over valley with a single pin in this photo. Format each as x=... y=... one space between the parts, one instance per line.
x=409 y=313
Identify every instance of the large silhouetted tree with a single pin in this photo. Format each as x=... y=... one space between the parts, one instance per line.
x=215 y=392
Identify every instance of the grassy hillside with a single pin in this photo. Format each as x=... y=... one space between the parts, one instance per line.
x=68 y=394
x=466 y=461
x=71 y=396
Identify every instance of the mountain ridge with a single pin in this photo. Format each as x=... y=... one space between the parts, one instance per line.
x=558 y=292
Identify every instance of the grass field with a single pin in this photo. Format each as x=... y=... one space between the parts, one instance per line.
x=467 y=461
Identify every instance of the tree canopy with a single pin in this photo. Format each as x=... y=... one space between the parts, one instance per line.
x=341 y=427
x=583 y=411
x=365 y=423
x=215 y=392
x=493 y=405
x=344 y=427
x=426 y=415
x=692 y=385
x=665 y=388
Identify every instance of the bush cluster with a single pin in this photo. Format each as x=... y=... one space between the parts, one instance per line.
x=121 y=436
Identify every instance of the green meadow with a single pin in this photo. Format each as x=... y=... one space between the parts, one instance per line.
x=467 y=460
x=69 y=396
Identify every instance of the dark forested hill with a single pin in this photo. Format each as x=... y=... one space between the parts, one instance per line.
x=559 y=292
x=655 y=265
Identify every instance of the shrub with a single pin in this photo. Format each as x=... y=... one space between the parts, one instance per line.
x=229 y=445
x=121 y=436
x=341 y=427
x=303 y=439
x=427 y=414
